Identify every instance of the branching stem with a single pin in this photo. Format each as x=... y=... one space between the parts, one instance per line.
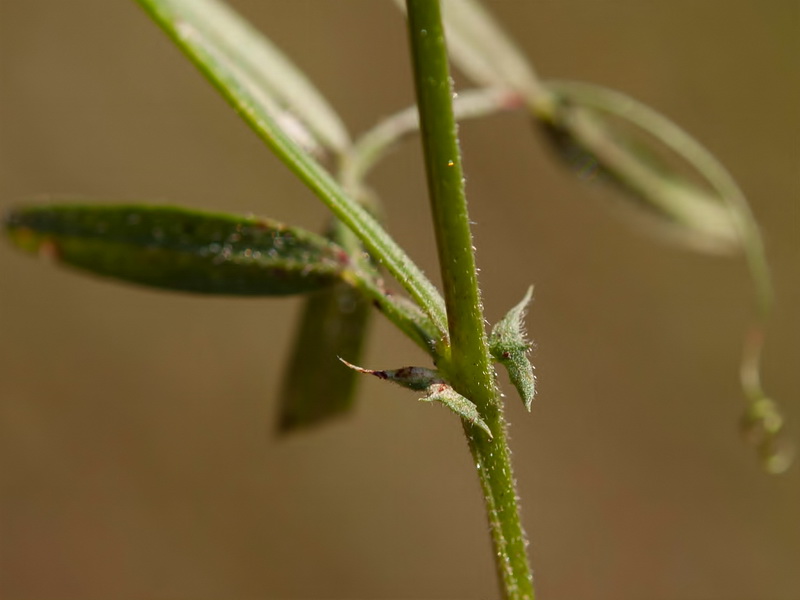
x=468 y=365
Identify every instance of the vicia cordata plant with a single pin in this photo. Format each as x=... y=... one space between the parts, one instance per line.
x=665 y=180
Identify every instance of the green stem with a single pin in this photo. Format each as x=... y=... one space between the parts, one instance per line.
x=492 y=460
x=446 y=185
x=365 y=277
x=468 y=365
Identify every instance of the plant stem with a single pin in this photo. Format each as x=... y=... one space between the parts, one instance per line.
x=468 y=365
x=493 y=462
x=445 y=183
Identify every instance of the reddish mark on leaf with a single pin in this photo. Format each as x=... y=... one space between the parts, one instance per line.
x=48 y=250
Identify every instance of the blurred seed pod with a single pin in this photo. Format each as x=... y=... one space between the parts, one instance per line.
x=670 y=183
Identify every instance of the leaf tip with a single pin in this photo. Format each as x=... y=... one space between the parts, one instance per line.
x=356 y=367
x=26 y=238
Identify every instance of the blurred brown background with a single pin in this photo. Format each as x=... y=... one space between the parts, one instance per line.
x=136 y=453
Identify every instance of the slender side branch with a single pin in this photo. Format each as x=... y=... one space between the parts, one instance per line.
x=372 y=146
x=468 y=366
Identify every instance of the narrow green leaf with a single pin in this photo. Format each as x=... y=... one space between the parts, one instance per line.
x=509 y=347
x=257 y=110
x=180 y=249
x=316 y=388
x=297 y=103
x=436 y=389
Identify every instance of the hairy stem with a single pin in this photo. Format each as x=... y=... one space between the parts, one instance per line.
x=468 y=365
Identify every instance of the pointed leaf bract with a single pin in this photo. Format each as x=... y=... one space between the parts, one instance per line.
x=509 y=347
